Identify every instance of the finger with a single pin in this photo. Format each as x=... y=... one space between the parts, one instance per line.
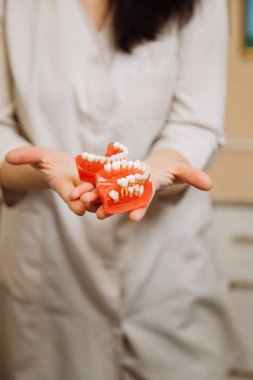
x=77 y=181
x=25 y=155
x=101 y=215
x=91 y=196
x=93 y=207
x=77 y=207
x=137 y=214
x=78 y=191
x=192 y=176
x=64 y=189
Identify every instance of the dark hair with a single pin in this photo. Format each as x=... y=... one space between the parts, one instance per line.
x=138 y=21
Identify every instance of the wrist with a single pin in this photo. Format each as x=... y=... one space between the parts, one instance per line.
x=9 y=197
x=20 y=178
x=3 y=176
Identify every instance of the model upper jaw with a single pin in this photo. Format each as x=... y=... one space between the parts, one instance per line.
x=120 y=153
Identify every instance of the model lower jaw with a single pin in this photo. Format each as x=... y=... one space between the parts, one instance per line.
x=117 y=200
x=125 y=181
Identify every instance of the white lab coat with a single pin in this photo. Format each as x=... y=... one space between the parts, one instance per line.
x=89 y=300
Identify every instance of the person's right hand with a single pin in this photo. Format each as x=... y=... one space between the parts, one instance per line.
x=57 y=169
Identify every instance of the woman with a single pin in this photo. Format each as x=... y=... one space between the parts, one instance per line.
x=82 y=298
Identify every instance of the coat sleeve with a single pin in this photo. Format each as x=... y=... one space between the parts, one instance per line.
x=194 y=126
x=9 y=136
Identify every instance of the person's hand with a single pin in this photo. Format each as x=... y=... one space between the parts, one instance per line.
x=57 y=170
x=167 y=168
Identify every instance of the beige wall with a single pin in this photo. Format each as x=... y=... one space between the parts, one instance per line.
x=231 y=172
x=239 y=120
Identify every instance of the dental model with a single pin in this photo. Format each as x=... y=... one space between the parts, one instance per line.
x=122 y=185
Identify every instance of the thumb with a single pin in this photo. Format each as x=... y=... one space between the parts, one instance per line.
x=192 y=176
x=25 y=155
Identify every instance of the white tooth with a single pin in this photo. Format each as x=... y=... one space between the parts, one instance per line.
x=136 y=164
x=114 y=165
x=141 y=190
x=130 y=164
x=107 y=159
x=108 y=167
x=124 y=148
x=101 y=179
x=124 y=182
x=145 y=176
x=84 y=155
x=138 y=177
x=116 y=144
x=114 y=195
x=131 y=178
x=102 y=159
x=118 y=165
x=91 y=157
x=123 y=164
x=131 y=190
x=97 y=158
x=136 y=189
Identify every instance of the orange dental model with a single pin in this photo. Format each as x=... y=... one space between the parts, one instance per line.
x=122 y=185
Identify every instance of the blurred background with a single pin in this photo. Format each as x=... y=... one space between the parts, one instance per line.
x=232 y=173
